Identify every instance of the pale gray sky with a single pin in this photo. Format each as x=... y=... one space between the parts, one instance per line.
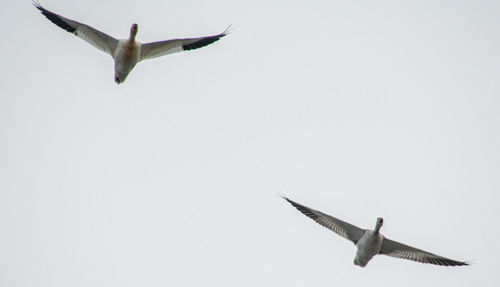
x=356 y=108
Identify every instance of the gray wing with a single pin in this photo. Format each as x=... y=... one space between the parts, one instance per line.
x=92 y=36
x=161 y=48
x=400 y=250
x=344 y=229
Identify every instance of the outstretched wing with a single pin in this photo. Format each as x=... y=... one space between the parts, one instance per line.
x=400 y=250
x=92 y=36
x=161 y=48
x=344 y=229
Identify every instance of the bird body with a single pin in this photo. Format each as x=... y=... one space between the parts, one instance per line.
x=370 y=242
x=367 y=247
x=126 y=53
x=126 y=56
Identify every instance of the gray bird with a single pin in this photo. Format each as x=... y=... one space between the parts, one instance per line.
x=126 y=53
x=370 y=242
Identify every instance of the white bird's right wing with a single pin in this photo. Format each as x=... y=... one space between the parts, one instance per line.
x=92 y=36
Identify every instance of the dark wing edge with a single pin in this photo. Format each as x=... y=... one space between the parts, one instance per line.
x=54 y=18
x=92 y=36
x=344 y=229
x=399 y=250
x=161 y=48
x=204 y=41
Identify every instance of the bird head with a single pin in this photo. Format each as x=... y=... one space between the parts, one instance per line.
x=133 y=30
x=380 y=222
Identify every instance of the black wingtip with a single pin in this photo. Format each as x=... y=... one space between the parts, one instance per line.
x=54 y=18
x=293 y=203
x=228 y=30
x=459 y=263
x=207 y=40
x=441 y=261
x=203 y=42
x=286 y=198
x=304 y=209
x=37 y=5
x=470 y=262
x=448 y=262
x=281 y=195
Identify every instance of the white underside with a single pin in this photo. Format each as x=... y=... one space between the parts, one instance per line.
x=368 y=246
x=125 y=58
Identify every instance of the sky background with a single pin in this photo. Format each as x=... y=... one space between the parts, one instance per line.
x=359 y=109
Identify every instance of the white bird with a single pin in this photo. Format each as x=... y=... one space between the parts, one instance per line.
x=126 y=53
x=370 y=242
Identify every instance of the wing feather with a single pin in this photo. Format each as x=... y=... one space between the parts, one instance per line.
x=400 y=250
x=92 y=36
x=344 y=229
x=161 y=48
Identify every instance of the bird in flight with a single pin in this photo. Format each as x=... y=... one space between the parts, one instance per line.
x=370 y=242
x=126 y=53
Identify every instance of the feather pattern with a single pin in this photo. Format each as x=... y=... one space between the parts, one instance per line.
x=161 y=48
x=403 y=251
x=92 y=36
x=344 y=229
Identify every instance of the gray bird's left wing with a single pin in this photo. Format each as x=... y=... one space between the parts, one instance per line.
x=400 y=250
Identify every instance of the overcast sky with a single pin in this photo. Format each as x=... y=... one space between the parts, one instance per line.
x=359 y=109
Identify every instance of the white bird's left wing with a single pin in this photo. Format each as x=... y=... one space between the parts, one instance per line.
x=161 y=48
